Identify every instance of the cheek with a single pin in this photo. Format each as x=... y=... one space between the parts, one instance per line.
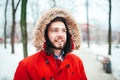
x=51 y=36
x=65 y=37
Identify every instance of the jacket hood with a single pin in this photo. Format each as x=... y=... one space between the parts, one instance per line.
x=46 y=18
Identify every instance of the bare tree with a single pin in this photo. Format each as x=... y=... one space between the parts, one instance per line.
x=119 y=37
x=109 y=30
x=5 y=23
x=13 y=23
x=23 y=26
x=54 y=3
x=87 y=18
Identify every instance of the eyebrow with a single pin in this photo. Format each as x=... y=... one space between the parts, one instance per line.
x=57 y=29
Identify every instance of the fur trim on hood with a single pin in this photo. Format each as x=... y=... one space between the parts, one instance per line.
x=47 y=17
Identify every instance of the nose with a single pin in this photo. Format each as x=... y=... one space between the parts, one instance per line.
x=60 y=37
x=60 y=34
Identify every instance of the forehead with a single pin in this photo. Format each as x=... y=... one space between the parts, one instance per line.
x=57 y=24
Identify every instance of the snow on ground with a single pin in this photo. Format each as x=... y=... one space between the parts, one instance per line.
x=9 y=62
x=102 y=50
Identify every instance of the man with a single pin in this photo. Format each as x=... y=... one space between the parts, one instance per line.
x=56 y=35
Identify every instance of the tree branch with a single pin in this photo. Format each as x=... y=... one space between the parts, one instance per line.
x=17 y=5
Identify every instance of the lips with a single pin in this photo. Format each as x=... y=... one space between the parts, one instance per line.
x=60 y=42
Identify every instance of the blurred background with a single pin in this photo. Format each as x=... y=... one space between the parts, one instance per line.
x=98 y=22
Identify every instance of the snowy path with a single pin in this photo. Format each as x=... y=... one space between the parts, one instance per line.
x=9 y=62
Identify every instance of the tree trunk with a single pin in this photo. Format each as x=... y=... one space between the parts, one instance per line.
x=13 y=24
x=54 y=3
x=109 y=31
x=13 y=27
x=23 y=27
x=5 y=23
x=87 y=19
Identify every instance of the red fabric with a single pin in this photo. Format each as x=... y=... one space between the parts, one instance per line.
x=41 y=66
x=44 y=45
x=58 y=61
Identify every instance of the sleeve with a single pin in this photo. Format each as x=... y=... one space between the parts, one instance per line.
x=21 y=72
x=82 y=71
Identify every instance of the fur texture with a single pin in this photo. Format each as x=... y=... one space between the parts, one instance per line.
x=39 y=40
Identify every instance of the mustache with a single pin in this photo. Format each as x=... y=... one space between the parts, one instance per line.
x=57 y=40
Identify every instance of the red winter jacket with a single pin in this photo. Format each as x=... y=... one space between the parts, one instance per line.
x=41 y=66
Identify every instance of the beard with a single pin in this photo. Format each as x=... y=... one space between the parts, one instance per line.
x=59 y=45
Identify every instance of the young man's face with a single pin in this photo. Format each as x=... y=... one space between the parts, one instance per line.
x=57 y=34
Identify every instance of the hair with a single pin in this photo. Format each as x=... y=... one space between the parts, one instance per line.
x=68 y=45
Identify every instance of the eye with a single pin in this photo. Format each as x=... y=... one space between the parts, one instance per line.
x=54 y=30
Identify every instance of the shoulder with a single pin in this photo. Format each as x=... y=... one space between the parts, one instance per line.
x=71 y=56
x=32 y=59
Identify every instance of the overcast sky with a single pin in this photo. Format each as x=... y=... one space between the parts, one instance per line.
x=98 y=10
